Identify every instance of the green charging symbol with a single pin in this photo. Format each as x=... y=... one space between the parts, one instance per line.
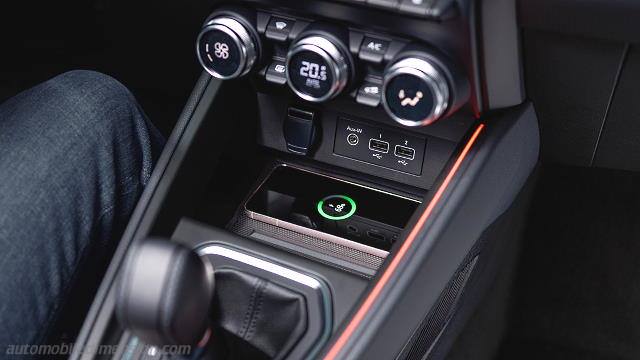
x=336 y=207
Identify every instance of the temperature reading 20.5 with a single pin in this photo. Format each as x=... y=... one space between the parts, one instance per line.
x=313 y=71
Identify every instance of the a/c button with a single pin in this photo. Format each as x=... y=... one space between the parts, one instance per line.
x=373 y=50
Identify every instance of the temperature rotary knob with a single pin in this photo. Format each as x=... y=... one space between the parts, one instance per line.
x=318 y=68
x=227 y=48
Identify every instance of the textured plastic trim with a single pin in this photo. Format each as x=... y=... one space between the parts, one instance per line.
x=398 y=256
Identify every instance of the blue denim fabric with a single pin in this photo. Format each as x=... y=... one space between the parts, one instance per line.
x=75 y=154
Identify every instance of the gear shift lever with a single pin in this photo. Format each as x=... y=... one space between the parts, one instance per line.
x=165 y=295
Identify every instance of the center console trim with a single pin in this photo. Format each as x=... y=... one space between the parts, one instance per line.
x=100 y=317
x=471 y=197
x=399 y=255
x=273 y=268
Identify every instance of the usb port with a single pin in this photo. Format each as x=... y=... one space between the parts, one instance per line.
x=404 y=152
x=378 y=145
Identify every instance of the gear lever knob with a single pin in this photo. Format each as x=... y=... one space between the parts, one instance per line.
x=165 y=294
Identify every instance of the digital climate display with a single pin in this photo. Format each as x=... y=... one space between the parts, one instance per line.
x=309 y=73
x=333 y=206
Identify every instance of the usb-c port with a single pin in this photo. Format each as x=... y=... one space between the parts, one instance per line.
x=376 y=236
x=404 y=152
x=378 y=145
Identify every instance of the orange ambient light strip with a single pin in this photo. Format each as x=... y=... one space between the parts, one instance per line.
x=400 y=254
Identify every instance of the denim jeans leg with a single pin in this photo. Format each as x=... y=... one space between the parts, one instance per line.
x=75 y=154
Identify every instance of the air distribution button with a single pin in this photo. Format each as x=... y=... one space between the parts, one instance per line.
x=414 y=92
x=336 y=207
x=226 y=48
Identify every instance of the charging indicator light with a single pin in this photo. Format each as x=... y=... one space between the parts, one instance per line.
x=336 y=207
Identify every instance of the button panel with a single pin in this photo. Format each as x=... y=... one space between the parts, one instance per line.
x=378 y=146
x=319 y=62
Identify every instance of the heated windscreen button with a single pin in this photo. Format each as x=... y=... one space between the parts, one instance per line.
x=279 y=29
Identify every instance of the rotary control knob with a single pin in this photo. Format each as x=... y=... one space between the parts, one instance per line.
x=227 y=48
x=318 y=68
x=415 y=91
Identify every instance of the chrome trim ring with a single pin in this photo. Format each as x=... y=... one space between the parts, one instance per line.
x=336 y=61
x=428 y=73
x=276 y=269
x=241 y=38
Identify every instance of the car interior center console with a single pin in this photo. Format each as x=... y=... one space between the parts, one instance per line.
x=323 y=163
x=344 y=94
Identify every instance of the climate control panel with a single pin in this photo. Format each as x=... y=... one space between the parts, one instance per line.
x=415 y=84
